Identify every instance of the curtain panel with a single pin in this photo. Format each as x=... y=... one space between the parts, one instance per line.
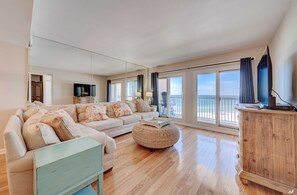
x=140 y=84
x=155 y=89
x=108 y=90
x=246 y=93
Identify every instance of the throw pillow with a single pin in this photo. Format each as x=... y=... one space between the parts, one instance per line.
x=121 y=109
x=30 y=112
x=39 y=135
x=142 y=106
x=96 y=113
x=62 y=123
x=132 y=105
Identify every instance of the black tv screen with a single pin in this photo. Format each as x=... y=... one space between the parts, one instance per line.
x=263 y=80
x=81 y=90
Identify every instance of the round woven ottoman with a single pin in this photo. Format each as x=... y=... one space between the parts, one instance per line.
x=154 y=138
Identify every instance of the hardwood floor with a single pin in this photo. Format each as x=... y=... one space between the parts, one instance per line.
x=202 y=162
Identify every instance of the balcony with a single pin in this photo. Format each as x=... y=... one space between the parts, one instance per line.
x=206 y=109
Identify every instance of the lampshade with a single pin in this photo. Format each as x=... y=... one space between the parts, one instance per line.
x=149 y=94
x=138 y=94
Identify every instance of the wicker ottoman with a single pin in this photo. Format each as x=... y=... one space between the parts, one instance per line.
x=154 y=138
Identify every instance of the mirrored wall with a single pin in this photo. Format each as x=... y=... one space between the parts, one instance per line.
x=55 y=68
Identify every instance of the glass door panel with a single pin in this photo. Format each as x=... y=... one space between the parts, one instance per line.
x=206 y=98
x=116 y=92
x=163 y=97
x=229 y=96
x=176 y=97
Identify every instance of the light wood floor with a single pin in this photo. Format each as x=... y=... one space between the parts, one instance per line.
x=202 y=162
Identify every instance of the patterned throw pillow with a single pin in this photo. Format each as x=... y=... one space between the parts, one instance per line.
x=132 y=105
x=142 y=106
x=96 y=113
x=121 y=109
x=62 y=123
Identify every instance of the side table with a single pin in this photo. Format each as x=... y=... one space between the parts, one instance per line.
x=68 y=167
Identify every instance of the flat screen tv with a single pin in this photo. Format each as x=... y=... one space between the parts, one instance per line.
x=81 y=90
x=265 y=81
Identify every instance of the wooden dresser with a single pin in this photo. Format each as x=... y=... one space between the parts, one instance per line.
x=268 y=149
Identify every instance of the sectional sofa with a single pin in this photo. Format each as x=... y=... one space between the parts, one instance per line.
x=20 y=159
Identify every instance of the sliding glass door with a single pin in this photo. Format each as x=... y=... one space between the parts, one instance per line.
x=229 y=96
x=217 y=96
x=206 y=98
x=131 y=89
x=171 y=97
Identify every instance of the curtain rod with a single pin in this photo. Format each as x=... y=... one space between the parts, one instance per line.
x=89 y=51
x=206 y=65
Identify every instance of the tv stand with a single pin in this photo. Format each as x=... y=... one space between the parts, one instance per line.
x=267 y=148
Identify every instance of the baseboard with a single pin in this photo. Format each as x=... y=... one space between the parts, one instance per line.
x=2 y=151
x=224 y=130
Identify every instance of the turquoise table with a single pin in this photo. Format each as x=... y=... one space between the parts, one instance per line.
x=68 y=167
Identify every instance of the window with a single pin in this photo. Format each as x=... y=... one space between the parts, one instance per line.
x=131 y=90
x=116 y=89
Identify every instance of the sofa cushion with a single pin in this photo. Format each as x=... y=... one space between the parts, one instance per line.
x=132 y=105
x=30 y=112
x=121 y=109
x=62 y=123
x=96 y=113
x=142 y=106
x=130 y=119
x=81 y=110
x=147 y=115
x=109 y=110
x=70 y=109
x=105 y=124
x=39 y=135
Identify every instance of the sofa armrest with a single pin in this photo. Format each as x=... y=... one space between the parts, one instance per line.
x=24 y=163
x=110 y=145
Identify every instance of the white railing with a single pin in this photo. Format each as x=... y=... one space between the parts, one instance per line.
x=206 y=108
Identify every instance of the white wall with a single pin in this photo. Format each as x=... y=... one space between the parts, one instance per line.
x=283 y=51
x=63 y=84
x=13 y=82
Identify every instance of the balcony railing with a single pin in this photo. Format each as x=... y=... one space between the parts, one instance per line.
x=206 y=108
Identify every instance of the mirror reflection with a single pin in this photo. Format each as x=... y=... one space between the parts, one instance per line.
x=64 y=74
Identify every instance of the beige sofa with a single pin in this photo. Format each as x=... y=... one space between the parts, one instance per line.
x=20 y=160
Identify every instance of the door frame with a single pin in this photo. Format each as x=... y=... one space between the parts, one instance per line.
x=29 y=97
x=216 y=70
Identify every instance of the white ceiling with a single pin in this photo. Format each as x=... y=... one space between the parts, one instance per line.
x=15 y=21
x=154 y=33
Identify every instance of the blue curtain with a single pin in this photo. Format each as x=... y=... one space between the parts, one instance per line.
x=108 y=90
x=246 y=93
x=140 y=84
x=155 y=89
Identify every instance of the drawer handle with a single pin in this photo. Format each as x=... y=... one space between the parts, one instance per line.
x=237 y=155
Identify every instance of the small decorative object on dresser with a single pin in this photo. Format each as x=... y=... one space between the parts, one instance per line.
x=267 y=148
